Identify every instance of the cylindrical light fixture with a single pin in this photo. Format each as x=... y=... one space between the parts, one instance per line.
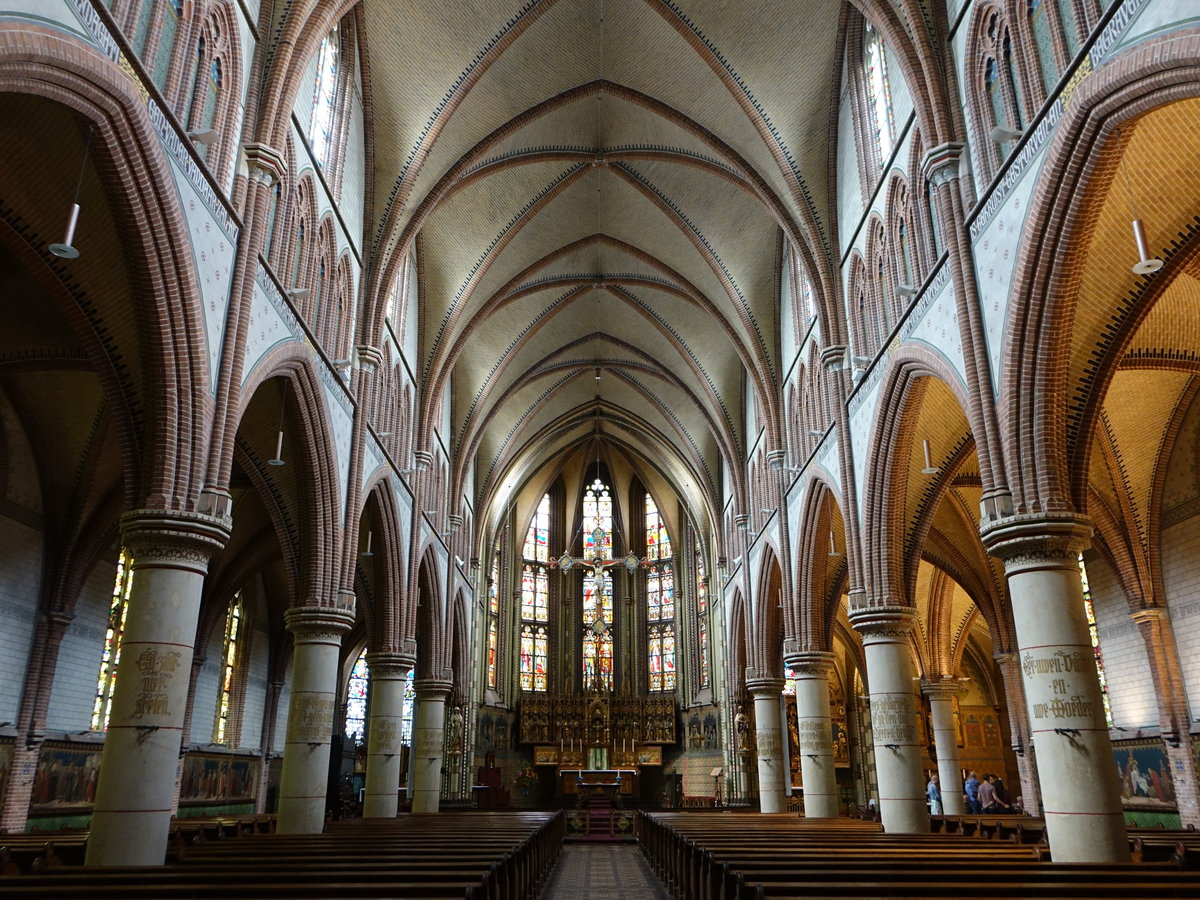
x=278 y=460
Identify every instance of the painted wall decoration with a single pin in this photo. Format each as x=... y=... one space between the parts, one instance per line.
x=66 y=777
x=217 y=778
x=1145 y=775
x=6 y=758
x=702 y=728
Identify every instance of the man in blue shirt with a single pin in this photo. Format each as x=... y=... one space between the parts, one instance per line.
x=971 y=789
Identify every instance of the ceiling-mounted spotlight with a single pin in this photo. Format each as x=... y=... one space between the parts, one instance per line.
x=1002 y=134
x=906 y=290
x=204 y=136
x=930 y=468
x=597 y=373
x=278 y=458
x=368 y=552
x=832 y=546
x=66 y=250
x=816 y=432
x=1146 y=263
x=298 y=293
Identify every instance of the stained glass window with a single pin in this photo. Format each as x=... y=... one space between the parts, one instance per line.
x=493 y=638
x=597 y=514
x=356 y=700
x=535 y=599
x=662 y=657
x=223 y=731
x=879 y=93
x=702 y=618
x=597 y=657
x=1090 y=611
x=660 y=601
x=324 y=98
x=494 y=587
x=406 y=713
x=118 y=607
x=493 y=641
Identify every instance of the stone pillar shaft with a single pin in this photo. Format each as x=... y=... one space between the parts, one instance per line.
x=815 y=729
x=1018 y=723
x=389 y=672
x=1082 y=803
x=945 y=740
x=768 y=735
x=134 y=798
x=898 y=768
x=304 y=781
x=428 y=744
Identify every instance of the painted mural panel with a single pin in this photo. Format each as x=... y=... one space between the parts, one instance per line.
x=217 y=778
x=1145 y=775
x=66 y=777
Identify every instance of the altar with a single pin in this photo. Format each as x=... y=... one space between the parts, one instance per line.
x=611 y=783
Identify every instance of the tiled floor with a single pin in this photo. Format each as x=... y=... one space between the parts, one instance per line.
x=603 y=872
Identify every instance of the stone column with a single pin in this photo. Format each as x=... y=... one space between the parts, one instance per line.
x=816 y=733
x=1083 y=813
x=304 y=781
x=768 y=738
x=428 y=743
x=886 y=634
x=1174 y=716
x=388 y=671
x=941 y=696
x=132 y=813
x=1022 y=742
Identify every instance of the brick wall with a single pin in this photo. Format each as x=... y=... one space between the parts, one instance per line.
x=74 y=690
x=21 y=563
x=256 y=685
x=1181 y=579
x=1123 y=649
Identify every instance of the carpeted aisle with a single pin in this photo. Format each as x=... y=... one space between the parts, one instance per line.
x=603 y=872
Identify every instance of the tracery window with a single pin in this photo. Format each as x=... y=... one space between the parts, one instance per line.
x=406 y=710
x=660 y=601
x=225 y=723
x=535 y=600
x=321 y=126
x=705 y=676
x=154 y=33
x=999 y=104
x=110 y=658
x=597 y=593
x=356 y=699
x=879 y=93
x=493 y=636
x=1090 y=611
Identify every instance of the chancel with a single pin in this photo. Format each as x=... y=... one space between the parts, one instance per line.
x=451 y=441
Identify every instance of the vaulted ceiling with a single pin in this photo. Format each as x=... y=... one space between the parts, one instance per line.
x=600 y=188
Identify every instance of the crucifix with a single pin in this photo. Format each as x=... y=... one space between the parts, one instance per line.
x=597 y=563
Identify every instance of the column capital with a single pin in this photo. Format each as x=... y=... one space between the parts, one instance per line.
x=833 y=357
x=943 y=689
x=1025 y=542
x=812 y=663
x=432 y=688
x=941 y=164
x=1150 y=614
x=266 y=164
x=175 y=540
x=369 y=358
x=389 y=666
x=760 y=685
x=318 y=624
x=879 y=624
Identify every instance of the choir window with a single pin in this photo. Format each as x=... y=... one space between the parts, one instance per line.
x=535 y=600
x=702 y=618
x=660 y=601
x=597 y=591
x=225 y=729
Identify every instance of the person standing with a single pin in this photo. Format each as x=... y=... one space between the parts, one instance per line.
x=971 y=789
x=934 y=794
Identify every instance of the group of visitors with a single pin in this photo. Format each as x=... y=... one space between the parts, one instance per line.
x=986 y=796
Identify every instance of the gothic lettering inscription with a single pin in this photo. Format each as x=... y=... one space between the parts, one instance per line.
x=310 y=717
x=813 y=735
x=429 y=744
x=892 y=720
x=768 y=745
x=156 y=670
x=1054 y=694
x=384 y=732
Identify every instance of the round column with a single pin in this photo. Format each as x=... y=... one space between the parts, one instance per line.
x=941 y=696
x=304 y=782
x=1080 y=796
x=428 y=742
x=768 y=738
x=388 y=672
x=886 y=638
x=132 y=813
x=816 y=733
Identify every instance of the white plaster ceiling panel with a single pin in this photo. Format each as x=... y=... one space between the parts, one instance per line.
x=271 y=323
x=862 y=421
x=938 y=329
x=341 y=425
x=213 y=251
x=995 y=254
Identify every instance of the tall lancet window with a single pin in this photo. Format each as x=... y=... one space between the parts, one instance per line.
x=660 y=601
x=597 y=587
x=702 y=619
x=324 y=98
x=493 y=638
x=535 y=599
x=879 y=93
x=356 y=699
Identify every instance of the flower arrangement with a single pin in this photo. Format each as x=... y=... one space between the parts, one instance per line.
x=525 y=778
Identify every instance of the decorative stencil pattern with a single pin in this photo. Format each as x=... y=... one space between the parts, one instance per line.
x=272 y=322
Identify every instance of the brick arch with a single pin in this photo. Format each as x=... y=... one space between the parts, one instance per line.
x=396 y=620
x=764 y=646
x=162 y=466
x=321 y=537
x=814 y=579
x=430 y=625
x=1037 y=436
x=893 y=434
